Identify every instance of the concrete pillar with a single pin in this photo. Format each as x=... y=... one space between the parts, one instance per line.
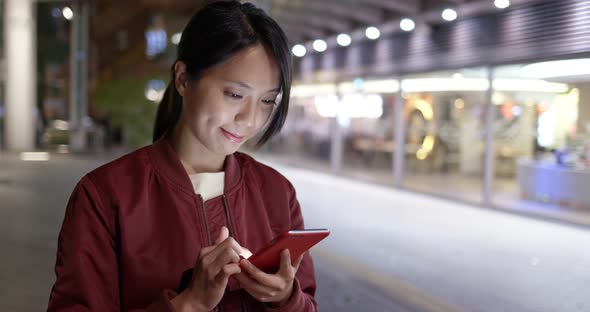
x=79 y=74
x=399 y=152
x=337 y=146
x=584 y=108
x=337 y=139
x=490 y=155
x=21 y=74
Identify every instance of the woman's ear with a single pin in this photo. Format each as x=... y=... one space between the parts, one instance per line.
x=181 y=77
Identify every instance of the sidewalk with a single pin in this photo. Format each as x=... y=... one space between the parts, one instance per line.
x=452 y=256
x=33 y=196
x=389 y=250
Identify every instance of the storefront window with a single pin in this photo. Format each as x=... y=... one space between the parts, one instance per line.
x=444 y=116
x=542 y=131
x=367 y=123
x=540 y=121
x=306 y=137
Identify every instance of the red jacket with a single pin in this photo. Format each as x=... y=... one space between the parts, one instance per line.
x=133 y=229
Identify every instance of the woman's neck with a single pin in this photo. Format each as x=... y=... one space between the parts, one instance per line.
x=193 y=155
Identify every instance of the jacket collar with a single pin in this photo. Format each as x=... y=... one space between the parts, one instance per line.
x=166 y=161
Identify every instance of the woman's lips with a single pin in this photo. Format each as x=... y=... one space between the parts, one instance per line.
x=232 y=137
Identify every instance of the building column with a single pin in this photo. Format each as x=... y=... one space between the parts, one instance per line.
x=489 y=156
x=21 y=75
x=399 y=151
x=79 y=75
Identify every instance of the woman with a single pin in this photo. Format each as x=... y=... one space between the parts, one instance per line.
x=162 y=228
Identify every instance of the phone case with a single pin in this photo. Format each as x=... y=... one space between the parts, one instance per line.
x=268 y=259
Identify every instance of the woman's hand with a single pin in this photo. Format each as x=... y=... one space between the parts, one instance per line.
x=274 y=289
x=210 y=275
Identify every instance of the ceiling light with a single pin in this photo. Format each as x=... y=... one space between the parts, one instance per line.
x=299 y=50
x=372 y=33
x=407 y=24
x=343 y=40
x=449 y=15
x=320 y=45
x=502 y=4
x=563 y=68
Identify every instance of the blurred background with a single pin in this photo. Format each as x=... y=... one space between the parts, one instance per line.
x=445 y=142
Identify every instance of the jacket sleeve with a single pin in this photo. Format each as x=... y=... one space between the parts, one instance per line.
x=86 y=265
x=302 y=298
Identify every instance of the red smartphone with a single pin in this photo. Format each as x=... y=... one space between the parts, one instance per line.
x=268 y=259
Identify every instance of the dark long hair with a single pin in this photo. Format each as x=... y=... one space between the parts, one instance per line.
x=215 y=33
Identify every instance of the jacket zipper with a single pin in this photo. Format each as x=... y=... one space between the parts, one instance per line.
x=227 y=217
x=206 y=222
x=207 y=230
x=231 y=233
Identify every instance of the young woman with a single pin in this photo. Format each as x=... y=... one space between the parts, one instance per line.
x=162 y=228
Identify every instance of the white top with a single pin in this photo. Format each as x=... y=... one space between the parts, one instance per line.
x=208 y=184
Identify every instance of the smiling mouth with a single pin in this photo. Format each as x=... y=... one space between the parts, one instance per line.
x=232 y=137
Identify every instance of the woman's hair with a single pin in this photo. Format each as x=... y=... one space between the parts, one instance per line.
x=214 y=34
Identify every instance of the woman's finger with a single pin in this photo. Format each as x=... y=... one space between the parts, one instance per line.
x=255 y=289
x=227 y=271
x=205 y=251
x=221 y=255
x=286 y=269
x=223 y=235
x=228 y=244
x=226 y=255
x=233 y=244
x=269 y=280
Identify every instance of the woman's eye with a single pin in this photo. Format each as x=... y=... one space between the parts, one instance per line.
x=269 y=102
x=233 y=95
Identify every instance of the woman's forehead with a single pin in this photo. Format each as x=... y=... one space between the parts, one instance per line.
x=251 y=68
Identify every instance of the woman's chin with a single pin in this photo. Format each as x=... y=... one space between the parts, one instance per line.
x=229 y=149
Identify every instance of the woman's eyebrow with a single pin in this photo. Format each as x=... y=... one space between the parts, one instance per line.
x=247 y=86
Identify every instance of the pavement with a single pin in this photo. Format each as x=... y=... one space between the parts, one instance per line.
x=33 y=196
x=389 y=250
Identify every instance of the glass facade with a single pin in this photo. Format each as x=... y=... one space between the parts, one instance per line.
x=444 y=133
x=306 y=136
x=368 y=133
x=541 y=134
x=543 y=139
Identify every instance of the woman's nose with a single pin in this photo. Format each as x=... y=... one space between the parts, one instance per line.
x=246 y=117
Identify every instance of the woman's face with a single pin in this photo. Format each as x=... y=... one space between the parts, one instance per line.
x=231 y=102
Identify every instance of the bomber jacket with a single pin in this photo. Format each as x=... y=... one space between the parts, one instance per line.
x=134 y=227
